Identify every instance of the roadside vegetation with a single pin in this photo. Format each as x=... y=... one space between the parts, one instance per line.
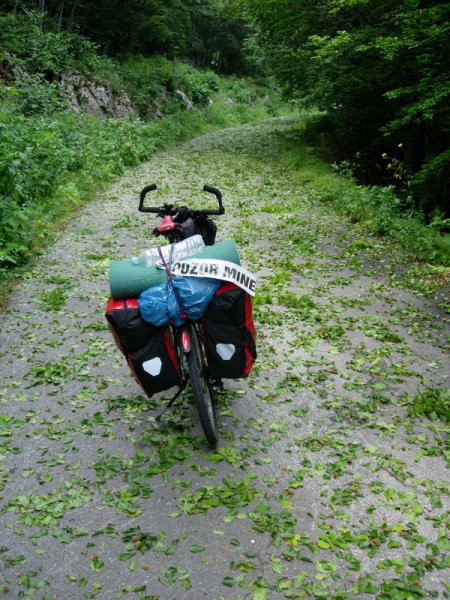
x=379 y=72
x=52 y=159
x=382 y=209
x=365 y=141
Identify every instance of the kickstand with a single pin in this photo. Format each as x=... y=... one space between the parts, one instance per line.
x=218 y=383
x=171 y=402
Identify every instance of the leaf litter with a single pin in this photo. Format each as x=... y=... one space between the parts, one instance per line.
x=330 y=478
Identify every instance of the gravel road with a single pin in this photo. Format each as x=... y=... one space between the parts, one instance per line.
x=330 y=479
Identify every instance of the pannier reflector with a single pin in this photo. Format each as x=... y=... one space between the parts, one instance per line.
x=225 y=351
x=153 y=366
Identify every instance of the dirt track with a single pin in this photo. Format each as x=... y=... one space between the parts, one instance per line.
x=325 y=484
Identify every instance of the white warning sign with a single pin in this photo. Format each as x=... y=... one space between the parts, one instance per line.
x=216 y=269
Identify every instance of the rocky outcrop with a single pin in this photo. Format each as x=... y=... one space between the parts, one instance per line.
x=95 y=97
x=186 y=102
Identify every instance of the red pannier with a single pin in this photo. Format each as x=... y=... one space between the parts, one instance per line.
x=149 y=350
x=229 y=333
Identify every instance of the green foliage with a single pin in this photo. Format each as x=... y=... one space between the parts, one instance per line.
x=152 y=84
x=39 y=158
x=209 y=34
x=48 y=52
x=432 y=402
x=381 y=72
x=51 y=158
x=381 y=209
x=53 y=300
x=37 y=95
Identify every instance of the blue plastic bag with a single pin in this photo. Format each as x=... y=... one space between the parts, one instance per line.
x=168 y=302
x=195 y=294
x=153 y=305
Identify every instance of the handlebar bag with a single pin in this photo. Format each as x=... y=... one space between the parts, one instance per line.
x=229 y=333
x=149 y=350
x=207 y=229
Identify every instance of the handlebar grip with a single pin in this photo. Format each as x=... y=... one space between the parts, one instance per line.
x=148 y=188
x=218 y=194
x=144 y=192
x=212 y=190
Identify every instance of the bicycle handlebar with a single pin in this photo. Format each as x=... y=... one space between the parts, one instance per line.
x=170 y=209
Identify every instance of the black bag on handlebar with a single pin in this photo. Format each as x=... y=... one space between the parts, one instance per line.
x=207 y=229
x=229 y=333
x=200 y=225
x=149 y=350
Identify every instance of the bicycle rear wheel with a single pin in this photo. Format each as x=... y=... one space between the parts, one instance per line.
x=201 y=387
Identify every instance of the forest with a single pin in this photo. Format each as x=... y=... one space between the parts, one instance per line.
x=380 y=71
x=326 y=126
x=375 y=77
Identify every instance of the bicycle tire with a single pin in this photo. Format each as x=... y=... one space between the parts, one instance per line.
x=201 y=387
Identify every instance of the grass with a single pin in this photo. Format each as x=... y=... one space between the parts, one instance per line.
x=377 y=208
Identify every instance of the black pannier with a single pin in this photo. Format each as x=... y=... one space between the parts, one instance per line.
x=149 y=350
x=229 y=333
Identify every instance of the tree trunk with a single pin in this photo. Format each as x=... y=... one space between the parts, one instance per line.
x=41 y=10
x=71 y=20
x=60 y=18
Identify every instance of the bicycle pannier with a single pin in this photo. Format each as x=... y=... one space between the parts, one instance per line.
x=229 y=333
x=149 y=350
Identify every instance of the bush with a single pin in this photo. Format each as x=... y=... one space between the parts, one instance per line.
x=379 y=208
x=49 y=163
x=39 y=154
x=152 y=82
x=51 y=158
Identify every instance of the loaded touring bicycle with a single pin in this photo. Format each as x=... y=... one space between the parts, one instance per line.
x=181 y=313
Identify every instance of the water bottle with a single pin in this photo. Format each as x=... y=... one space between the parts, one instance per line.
x=189 y=246
x=147 y=258
x=173 y=252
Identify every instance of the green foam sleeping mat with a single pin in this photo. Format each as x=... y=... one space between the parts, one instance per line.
x=128 y=281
